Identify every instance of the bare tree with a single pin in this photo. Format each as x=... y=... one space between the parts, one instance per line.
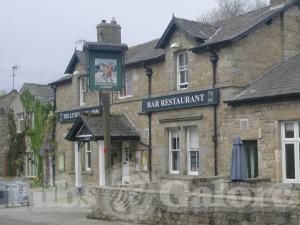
x=229 y=8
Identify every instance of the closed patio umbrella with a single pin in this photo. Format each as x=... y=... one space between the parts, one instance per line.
x=239 y=167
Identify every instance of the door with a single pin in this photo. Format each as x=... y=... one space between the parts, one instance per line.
x=125 y=162
x=252 y=157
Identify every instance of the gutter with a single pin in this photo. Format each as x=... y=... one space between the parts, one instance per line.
x=257 y=100
x=142 y=62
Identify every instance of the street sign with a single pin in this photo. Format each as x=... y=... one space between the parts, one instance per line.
x=105 y=66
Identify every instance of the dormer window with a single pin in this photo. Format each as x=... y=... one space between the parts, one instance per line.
x=182 y=70
x=82 y=91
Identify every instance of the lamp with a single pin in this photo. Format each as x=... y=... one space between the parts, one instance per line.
x=175 y=45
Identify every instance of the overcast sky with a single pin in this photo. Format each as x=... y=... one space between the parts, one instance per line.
x=39 y=35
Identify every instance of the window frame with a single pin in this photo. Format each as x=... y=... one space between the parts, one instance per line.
x=31 y=119
x=296 y=142
x=189 y=150
x=61 y=167
x=19 y=122
x=124 y=93
x=32 y=166
x=138 y=156
x=178 y=150
x=88 y=151
x=185 y=69
x=82 y=90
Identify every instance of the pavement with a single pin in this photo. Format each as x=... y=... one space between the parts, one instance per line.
x=50 y=216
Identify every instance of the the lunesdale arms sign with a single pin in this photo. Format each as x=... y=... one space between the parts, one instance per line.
x=182 y=100
x=72 y=115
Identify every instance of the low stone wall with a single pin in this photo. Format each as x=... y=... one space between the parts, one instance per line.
x=171 y=204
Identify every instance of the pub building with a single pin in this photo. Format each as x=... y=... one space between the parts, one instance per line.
x=185 y=97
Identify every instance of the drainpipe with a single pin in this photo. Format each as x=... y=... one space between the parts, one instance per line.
x=214 y=60
x=149 y=73
x=54 y=135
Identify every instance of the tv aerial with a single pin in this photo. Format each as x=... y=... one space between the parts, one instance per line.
x=14 y=69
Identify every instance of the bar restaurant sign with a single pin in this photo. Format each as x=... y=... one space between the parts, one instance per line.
x=105 y=66
x=182 y=100
x=72 y=115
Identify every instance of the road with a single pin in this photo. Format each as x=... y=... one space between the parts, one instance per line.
x=54 y=216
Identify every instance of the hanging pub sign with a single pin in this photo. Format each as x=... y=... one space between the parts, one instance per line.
x=182 y=100
x=105 y=66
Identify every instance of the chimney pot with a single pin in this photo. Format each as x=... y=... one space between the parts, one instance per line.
x=109 y=32
x=113 y=21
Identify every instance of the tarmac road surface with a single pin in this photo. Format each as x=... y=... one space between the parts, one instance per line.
x=54 y=216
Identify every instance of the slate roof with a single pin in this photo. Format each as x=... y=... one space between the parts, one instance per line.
x=120 y=127
x=144 y=52
x=63 y=79
x=78 y=56
x=196 y=31
x=281 y=81
x=6 y=100
x=237 y=27
x=42 y=92
x=204 y=36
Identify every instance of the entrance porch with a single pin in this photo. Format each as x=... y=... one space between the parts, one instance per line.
x=119 y=165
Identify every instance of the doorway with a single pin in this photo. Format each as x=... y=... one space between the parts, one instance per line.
x=125 y=162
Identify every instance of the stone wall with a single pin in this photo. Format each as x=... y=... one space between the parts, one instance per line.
x=171 y=204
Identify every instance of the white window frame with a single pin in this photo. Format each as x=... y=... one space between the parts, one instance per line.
x=296 y=142
x=139 y=159
x=31 y=116
x=127 y=91
x=192 y=149
x=82 y=91
x=88 y=151
x=20 y=117
x=33 y=167
x=184 y=68
x=171 y=171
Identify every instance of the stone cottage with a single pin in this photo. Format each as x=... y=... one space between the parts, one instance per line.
x=185 y=96
x=5 y=102
x=25 y=119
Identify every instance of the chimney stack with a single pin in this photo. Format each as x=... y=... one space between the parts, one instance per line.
x=277 y=2
x=109 y=32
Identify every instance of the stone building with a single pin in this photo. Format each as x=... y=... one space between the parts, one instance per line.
x=190 y=91
x=5 y=102
x=25 y=119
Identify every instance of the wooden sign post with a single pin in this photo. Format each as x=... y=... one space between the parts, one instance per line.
x=106 y=75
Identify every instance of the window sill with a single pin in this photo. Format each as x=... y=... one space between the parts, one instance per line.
x=141 y=171
x=127 y=96
x=82 y=173
x=191 y=177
